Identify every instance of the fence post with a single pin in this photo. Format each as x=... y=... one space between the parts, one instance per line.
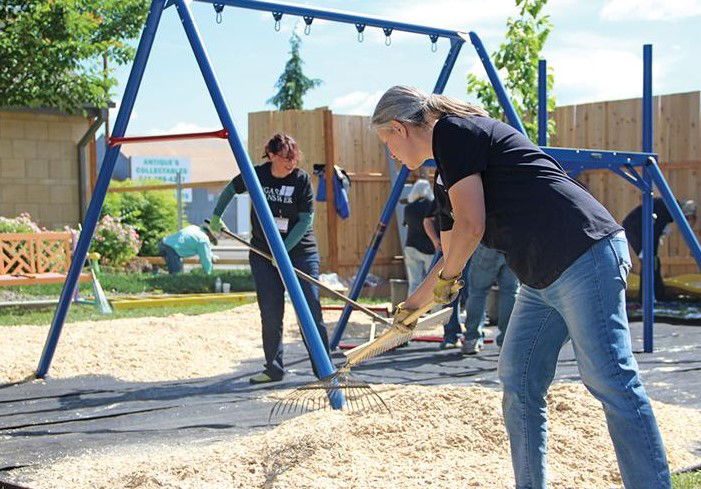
x=331 y=218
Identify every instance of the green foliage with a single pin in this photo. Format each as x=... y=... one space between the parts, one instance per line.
x=52 y=50
x=153 y=213
x=292 y=84
x=689 y=480
x=20 y=224
x=115 y=241
x=518 y=56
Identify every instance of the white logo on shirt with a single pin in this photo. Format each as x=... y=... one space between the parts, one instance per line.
x=282 y=194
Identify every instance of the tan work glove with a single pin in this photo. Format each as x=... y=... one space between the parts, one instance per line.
x=400 y=315
x=447 y=289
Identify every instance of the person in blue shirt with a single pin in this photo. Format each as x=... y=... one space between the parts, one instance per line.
x=189 y=241
x=288 y=190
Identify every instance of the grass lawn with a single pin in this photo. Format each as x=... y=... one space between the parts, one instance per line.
x=691 y=480
x=15 y=315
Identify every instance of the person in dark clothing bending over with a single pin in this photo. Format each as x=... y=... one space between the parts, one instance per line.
x=289 y=193
x=633 y=226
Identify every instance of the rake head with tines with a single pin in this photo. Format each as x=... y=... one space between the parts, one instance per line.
x=340 y=389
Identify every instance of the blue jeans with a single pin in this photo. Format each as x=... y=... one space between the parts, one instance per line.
x=452 y=329
x=270 y=292
x=173 y=261
x=489 y=266
x=587 y=305
x=417 y=267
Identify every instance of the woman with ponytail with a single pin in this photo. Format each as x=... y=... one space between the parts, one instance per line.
x=569 y=253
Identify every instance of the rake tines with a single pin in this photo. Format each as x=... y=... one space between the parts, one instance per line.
x=350 y=394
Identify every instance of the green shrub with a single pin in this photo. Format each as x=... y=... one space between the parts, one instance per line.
x=20 y=224
x=116 y=242
x=153 y=213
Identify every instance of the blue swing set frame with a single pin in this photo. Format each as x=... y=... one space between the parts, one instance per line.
x=575 y=160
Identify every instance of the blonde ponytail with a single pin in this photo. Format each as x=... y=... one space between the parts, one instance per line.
x=408 y=104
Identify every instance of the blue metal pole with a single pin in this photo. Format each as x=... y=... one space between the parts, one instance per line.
x=336 y=16
x=103 y=180
x=311 y=335
x=388 y=210
x=542 y=103
x=648 y=245
x=502 y=96
x=675 y=210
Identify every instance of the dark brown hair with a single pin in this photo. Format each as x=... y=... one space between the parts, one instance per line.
x=284 y=145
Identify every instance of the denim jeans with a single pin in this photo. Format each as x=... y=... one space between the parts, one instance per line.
x=270 y=292
x=587 y=305
x=173 y=261
x=452 y=329
x=489 y=266
x=417 y=266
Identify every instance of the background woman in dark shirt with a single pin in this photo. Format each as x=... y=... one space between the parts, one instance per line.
x=289 y=193
x=570 y=255
x=419 y=250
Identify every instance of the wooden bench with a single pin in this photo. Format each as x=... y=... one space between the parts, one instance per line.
x=36 y=258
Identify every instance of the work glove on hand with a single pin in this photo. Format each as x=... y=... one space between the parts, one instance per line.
x=217 y=225
x=447 y=289
x=400 y=315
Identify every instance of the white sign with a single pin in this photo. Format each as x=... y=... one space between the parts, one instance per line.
x=163 y=168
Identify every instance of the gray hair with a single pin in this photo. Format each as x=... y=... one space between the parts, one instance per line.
x=420 y=190
x=410 y=105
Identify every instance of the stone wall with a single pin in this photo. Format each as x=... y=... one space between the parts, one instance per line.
x=39 y=166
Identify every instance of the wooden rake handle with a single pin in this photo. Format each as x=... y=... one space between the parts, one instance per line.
x=309 y=279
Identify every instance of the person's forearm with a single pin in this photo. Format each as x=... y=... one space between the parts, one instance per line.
x=424 y=292
x=431 y=230
x=465 y=239
x=306 y=219
x=224 y=199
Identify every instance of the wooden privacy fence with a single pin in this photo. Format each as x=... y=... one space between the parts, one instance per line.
x=616 y=125
x=347 y=141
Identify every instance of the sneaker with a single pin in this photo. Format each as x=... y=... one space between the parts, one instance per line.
x=471 y=347
x=263 y=378
x=446 y=345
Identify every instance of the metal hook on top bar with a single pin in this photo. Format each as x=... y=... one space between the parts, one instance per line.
x=388 y=33
x=277 y=16
x=308 y=20
x=360 y=28
x=218 y=8
x=434 y=42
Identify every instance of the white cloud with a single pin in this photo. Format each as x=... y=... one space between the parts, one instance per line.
x=628 y=10
x=356 y=103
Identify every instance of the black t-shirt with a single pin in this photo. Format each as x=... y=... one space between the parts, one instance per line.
x=633 y=224
x=538 y=216
x=287 y=198
x=414 y=214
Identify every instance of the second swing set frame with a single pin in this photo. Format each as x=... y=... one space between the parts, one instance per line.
x=623 y=163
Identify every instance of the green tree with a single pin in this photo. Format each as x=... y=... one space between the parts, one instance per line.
x=52 y=50
x=518 y=56
x=293 y=84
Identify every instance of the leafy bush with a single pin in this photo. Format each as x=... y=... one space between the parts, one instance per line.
x=116 y=242
x=20 y=224
x=153 y=213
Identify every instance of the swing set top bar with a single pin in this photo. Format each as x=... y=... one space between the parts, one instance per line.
x=338 y=16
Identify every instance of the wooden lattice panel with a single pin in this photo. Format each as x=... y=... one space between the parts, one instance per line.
x=34 y=253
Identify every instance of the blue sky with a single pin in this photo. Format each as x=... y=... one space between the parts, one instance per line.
x=595 y=50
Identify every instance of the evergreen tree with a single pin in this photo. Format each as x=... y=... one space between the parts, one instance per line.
x=292 y=84
x=518 y=56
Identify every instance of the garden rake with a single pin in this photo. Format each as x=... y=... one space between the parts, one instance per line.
x=358 y=395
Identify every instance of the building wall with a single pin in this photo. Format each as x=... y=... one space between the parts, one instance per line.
x=39 y=166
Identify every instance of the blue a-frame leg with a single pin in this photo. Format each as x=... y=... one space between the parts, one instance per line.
x=318 y=353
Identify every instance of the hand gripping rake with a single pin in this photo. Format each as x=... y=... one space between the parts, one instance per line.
x=359 y=395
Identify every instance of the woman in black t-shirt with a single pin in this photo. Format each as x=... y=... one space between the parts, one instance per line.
x=570 y=255
x=288 y=190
